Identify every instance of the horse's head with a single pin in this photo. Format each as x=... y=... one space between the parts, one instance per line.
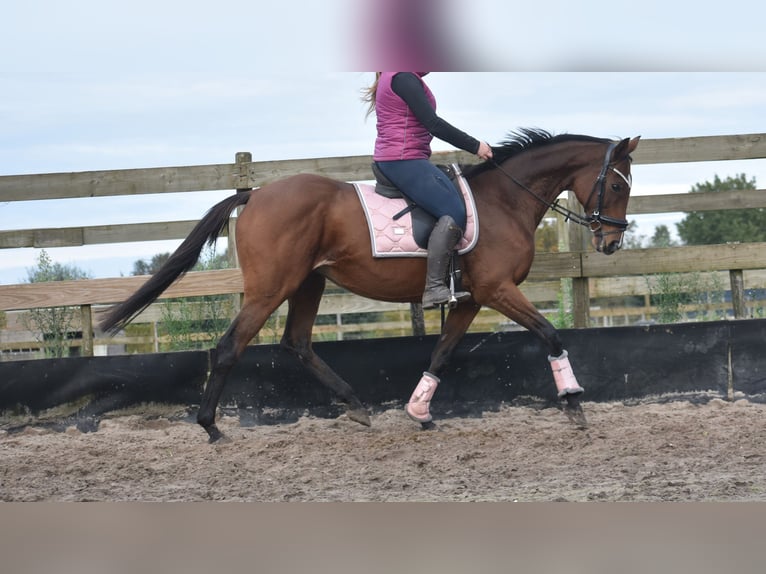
x=595 y=169
x=607 y=200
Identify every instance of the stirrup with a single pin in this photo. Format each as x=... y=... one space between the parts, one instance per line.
x=457 y=297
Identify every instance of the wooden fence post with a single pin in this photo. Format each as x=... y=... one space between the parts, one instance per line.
x=242 y=159
x=563 y=235
x=417 y=319
x=86 y=326
x=578 y=241
x=736 y=278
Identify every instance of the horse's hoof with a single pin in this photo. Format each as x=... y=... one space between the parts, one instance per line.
x=87 y=424
x=216 y=436
x=573 y=410
x=576 y=416
x=429 y=426
x=359 y=416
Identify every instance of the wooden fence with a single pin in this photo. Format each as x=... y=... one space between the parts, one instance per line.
x=593 y=275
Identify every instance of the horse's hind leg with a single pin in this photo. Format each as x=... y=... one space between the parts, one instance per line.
x=302 y=310
x=246 y=324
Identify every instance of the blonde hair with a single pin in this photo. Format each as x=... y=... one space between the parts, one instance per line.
x=369 y=93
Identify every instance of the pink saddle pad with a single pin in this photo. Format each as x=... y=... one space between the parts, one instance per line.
x=391 y=238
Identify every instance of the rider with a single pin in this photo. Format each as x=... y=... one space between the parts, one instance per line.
x=406 y=123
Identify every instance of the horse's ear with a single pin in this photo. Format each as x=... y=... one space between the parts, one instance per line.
x=623 y=149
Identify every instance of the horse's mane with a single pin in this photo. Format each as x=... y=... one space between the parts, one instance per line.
x=519 y=141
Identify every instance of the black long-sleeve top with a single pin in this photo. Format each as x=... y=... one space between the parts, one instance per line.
x=409 y=87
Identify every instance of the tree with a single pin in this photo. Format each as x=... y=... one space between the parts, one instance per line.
x=192 y=322
x=547 y=237
x=661 y=237
x=47 y=270
x=631 y=239
x=143 y=267
x=54 y=326
x=209 y=259
x=732 y=225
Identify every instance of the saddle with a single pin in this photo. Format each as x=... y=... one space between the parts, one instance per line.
x=422 y=221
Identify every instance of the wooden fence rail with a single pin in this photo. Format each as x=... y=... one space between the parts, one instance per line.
x=246 y=174
x=547 y=266
x=583 y=267
x=171 y=230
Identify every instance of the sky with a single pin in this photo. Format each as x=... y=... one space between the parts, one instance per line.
x=99 y=85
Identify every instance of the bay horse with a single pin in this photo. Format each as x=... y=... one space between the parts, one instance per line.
x=295 y=233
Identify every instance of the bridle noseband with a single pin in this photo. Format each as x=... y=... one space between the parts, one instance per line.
x=595 y=220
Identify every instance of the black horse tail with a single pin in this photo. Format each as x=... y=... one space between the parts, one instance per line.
x=183 y=259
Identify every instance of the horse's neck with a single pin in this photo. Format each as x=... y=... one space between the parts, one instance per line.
x=533 y=183
x=544 y=174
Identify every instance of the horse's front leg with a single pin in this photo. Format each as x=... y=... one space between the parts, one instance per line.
x=457 y=323
x=510 y=301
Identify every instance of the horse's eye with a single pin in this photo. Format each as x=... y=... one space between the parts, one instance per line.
x=616 y=187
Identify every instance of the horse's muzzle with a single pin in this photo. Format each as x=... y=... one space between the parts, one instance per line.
x=603 y=229
x=603 y=245
x=611 y=247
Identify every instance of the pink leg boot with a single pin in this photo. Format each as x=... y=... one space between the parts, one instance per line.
x=566 y=384
x=418 y=407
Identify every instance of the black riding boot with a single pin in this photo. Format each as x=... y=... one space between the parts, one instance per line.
x=441 y=244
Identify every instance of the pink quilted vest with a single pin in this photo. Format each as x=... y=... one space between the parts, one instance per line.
x=400 y=134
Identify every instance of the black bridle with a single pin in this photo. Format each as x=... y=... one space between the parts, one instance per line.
x=595 y=220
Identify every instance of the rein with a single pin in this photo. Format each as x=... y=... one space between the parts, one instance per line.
x=593 y=221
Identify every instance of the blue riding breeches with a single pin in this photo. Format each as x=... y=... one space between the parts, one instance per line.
x=426 y=185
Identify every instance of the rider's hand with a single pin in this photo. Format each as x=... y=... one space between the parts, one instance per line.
x=485 y=152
